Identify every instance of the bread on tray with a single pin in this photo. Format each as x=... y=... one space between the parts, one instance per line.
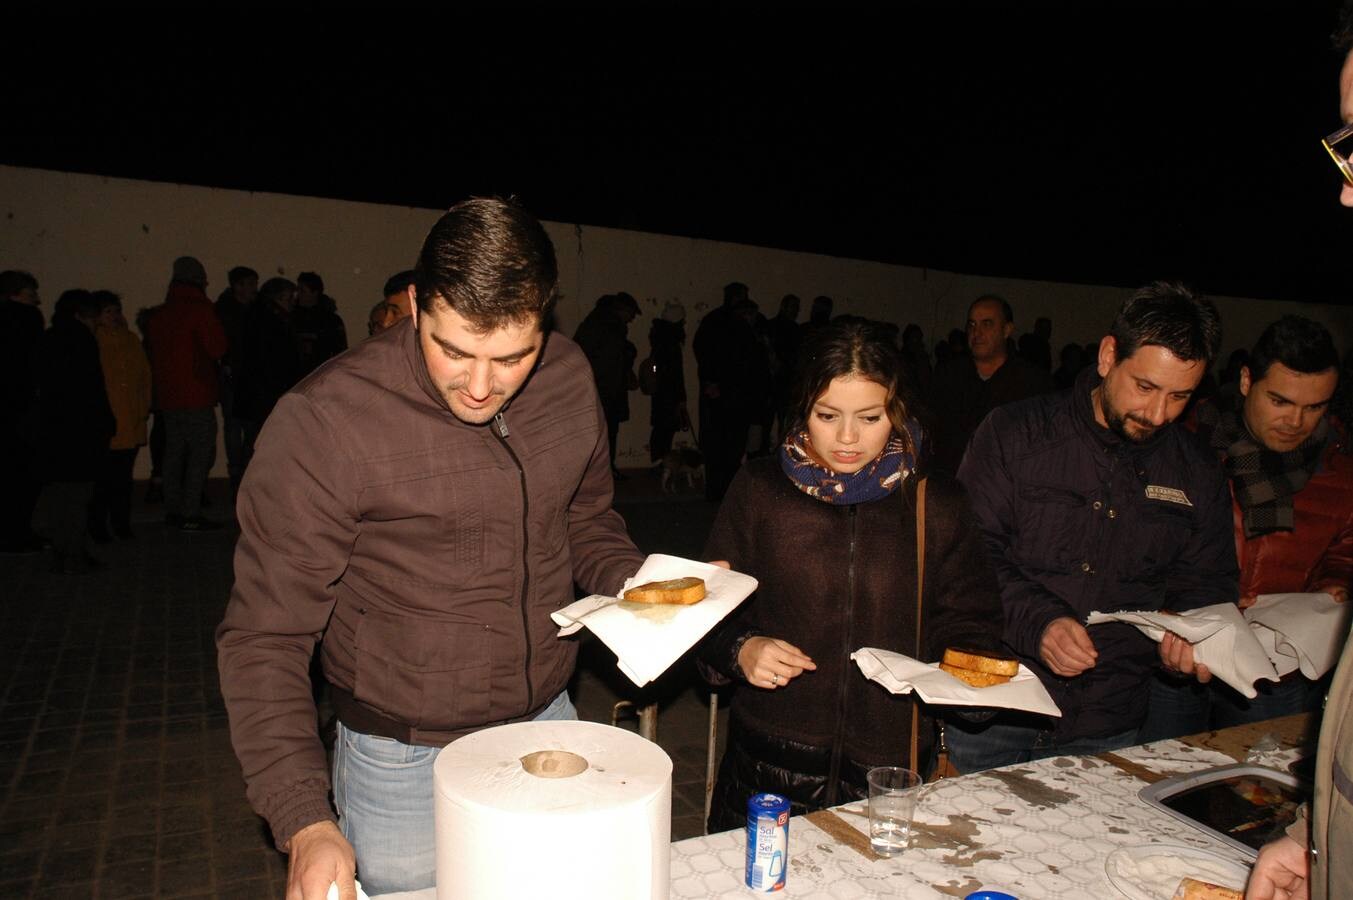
x=677 y=592
x=1193 y=889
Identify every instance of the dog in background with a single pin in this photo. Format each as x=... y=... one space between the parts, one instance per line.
x=682 y=462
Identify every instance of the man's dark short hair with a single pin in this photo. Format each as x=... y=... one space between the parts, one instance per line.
x=734 y=291
x=105 y=299
x=312 y=281
x=274 y=288
x=1170 y=315
x=1005 y=306
x=13 y=281
x=241 y=273
x=75 y=303
x=490 y=261
x=1298 y=343
x=399 y=282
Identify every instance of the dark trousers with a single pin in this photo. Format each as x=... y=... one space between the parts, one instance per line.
x=156 y=444
x=112 y=503
x=660 y=442
x=1180 y=706
x=238 y=435
x=18 y=492
x=189 y=445
x=68 y=505
x=612 y=432
x=723 y=441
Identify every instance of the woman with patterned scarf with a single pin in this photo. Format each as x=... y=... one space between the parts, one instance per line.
x=828 y=527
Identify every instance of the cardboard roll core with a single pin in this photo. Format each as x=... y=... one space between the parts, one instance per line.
x=553 y=764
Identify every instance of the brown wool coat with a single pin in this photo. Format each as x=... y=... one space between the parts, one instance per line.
x=834 y=580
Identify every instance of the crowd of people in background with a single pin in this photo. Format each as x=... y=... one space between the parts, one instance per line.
x=256 y=341
x=82 y=394
x=746 y=362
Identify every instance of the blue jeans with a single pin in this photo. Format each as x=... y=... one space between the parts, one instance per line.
x=1180 y=707
x=1012 y=738
x=383 y=792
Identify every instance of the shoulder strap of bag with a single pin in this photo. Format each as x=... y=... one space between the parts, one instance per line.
x=920 y=592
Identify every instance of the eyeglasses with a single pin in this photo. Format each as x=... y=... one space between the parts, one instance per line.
x=1340 y=155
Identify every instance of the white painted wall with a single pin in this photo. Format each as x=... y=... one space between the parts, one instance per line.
x=95 y=232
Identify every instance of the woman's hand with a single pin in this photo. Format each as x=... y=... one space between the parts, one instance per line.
x=771 y=663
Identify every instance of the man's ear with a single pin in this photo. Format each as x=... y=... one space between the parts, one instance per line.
x=1246 y=380
x=413 y=310
x=1108 y=354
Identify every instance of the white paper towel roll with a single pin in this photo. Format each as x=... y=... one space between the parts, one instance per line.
x=600 y=834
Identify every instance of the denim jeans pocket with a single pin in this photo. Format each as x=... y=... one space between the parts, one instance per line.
x=386 y=753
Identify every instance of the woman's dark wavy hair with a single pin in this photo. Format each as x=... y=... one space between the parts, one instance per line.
x=863 y=349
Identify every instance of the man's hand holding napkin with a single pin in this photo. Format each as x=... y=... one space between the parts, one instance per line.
x=1221 y=641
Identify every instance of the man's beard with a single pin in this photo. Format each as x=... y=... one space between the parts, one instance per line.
x=1118 y=424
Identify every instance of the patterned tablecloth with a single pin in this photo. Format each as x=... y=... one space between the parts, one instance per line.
x=1039 y=830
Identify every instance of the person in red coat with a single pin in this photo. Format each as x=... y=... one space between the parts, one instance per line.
x=186 y=344
x=1291 y=476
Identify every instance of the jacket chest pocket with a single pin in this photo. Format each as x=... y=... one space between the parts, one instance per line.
x=432 y=675
x=1053 y=527
x=429 y=529
x=1166 y=529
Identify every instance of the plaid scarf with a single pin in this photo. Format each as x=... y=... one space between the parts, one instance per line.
x=1264 y=480
x=873 y=482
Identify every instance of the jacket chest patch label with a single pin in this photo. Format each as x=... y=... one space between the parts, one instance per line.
x=1169 y=495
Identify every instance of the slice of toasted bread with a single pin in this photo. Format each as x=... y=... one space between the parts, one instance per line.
x=975 y=679
x=1193 y=889
x=678 y=591
x=978 y=661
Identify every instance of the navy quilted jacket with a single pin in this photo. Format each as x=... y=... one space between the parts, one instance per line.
x=1077 y=520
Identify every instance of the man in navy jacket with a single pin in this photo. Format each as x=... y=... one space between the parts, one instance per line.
x=1090 y=499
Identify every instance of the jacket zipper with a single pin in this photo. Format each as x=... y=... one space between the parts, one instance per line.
x=500 y=429
x=838 y=744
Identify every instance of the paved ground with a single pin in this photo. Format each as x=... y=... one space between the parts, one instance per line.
x=116 y=773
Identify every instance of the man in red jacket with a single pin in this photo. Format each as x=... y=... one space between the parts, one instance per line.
x=1292 y=496
x=186 y=343
x=1292 y=491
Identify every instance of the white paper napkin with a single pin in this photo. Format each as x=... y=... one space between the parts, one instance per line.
x=1221 y=640
x=333 y=892
x=1303 y=631
x=901 y=674
x=647 y=638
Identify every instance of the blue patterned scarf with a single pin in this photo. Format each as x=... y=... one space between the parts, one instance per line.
x=874 y=482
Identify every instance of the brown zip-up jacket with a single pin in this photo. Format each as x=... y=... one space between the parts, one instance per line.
x=426 y=554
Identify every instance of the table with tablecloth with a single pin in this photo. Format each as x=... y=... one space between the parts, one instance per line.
x=1036 y=830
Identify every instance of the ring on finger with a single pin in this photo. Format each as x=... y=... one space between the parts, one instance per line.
x=775 y=679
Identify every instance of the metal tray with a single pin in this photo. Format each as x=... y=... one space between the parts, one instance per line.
x=1161 y=792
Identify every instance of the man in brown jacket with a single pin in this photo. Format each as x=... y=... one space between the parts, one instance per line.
x=419 y=507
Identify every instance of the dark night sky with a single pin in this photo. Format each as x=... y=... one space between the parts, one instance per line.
x=1110 y=143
